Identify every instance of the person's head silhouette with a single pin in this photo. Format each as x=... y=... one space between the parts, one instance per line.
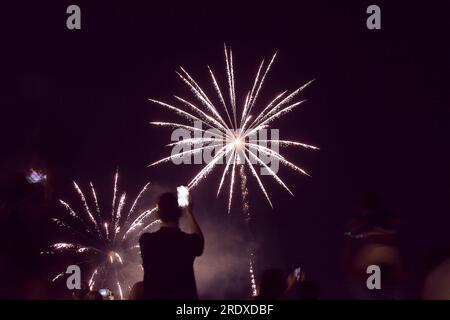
x=168 y=209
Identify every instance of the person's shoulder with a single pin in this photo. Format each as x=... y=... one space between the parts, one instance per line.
x=147 y=236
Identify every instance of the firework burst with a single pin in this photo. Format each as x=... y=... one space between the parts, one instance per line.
x=238 y=139
x=105 y=239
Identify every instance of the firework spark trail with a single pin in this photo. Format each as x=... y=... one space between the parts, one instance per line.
x=94 y=195
x=252 y=273
x=136 y=201
x=244 y=192
x=111 y=250
x=116 y=178
x=119 y=213
x=86 y=206
x=138 y=222
x=246 y=212
x=59 y=275
x=120 y=290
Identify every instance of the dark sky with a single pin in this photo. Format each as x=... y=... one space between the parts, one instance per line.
x=378 y=109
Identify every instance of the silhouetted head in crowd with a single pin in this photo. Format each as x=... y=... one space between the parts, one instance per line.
x=273 y=284
x=168 y=209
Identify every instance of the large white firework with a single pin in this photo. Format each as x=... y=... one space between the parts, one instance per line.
x=106 y=239
x=236 y=129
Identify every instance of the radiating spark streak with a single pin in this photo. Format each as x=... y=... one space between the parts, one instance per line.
x=78 y=248
x=252 y=275
x=118 y=257
x=91 y=279
x=106 y=230
x=119 y=211
x=249 y=98
x=244 y=110
x=212 y=122
x=154 y=223
x=177 y=125
x=278 y=114
x=71 y=211
x=201 y=95
x=61 y=223
x=94 y=195
x=230 y=86
x=120 y=290
x=244 y=192
x=275 y=154
x=133 y=207
x=144 y=215
x=290 y=143
x=180 y=112
x=268 y=107
x=59 y=275
x=272 y=173
x=138 y=221
x=191 y=141
x=219 y=93
x=252 y=102
x=83 y=199
x=116 y=178
x=255 y=174
x=207 y=169
x=225 y=171
x=283 y=102
x=232 y=182
x=180 y=154
x=254 y=130
x=245 y=122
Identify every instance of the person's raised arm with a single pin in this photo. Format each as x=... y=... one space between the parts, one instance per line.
x=193 y=225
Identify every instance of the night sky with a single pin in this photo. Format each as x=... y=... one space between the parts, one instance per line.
x=76 y=102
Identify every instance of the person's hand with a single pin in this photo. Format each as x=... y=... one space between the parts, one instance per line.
x=190 y=205
x=292 y=279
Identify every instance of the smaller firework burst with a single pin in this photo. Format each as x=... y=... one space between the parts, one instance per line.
x=107 y=240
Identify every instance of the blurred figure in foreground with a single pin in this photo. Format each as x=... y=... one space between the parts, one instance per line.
x=168 y=254
x=272 y=285
x=275 y=286
x=371 y=239
x=137 y=291
x=436 y=284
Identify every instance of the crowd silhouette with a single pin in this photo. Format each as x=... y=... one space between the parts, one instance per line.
x=371 y=238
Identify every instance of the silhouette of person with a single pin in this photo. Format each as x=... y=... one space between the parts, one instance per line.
x=168 y=254
x=371 y=239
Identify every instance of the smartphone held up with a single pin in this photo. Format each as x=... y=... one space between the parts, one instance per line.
x=183 y=196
